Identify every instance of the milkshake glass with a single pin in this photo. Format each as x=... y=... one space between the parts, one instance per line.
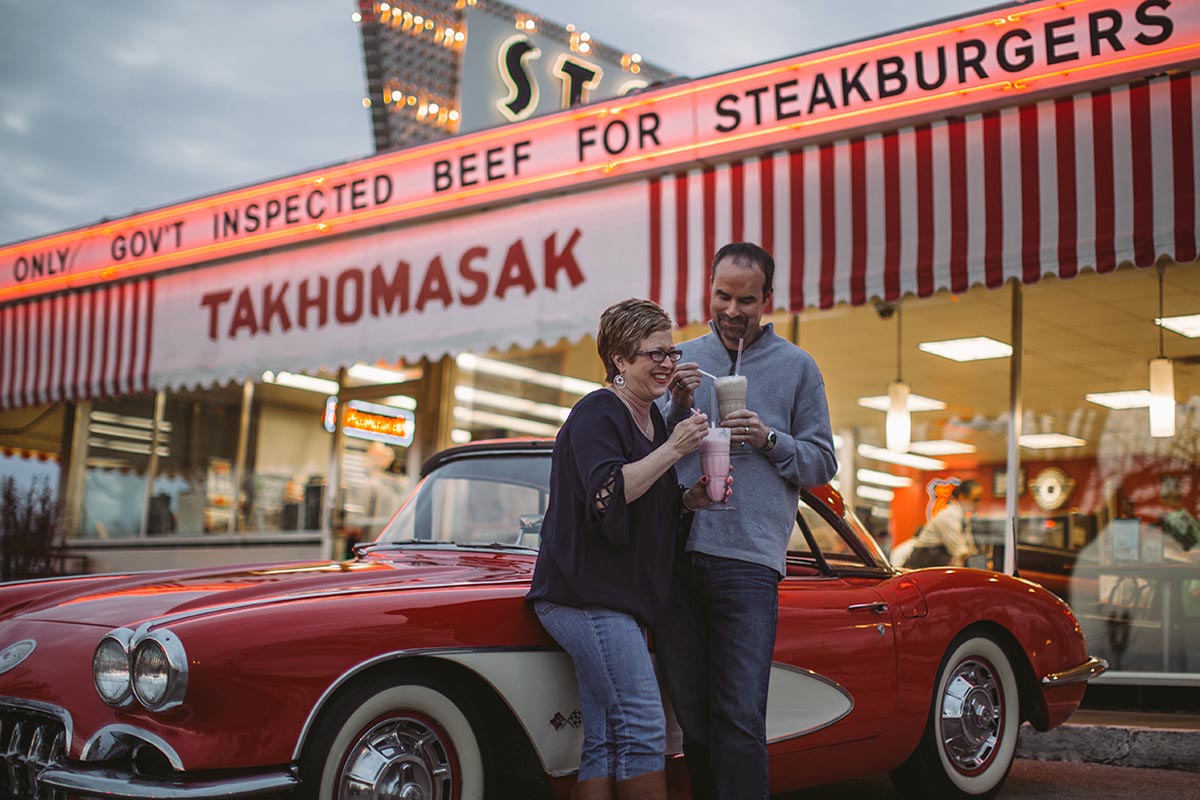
x=731 y=394
x=714 y=462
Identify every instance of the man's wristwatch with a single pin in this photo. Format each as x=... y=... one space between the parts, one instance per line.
x=771 y=439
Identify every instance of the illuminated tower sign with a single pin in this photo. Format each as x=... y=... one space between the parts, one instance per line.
x=440 y=67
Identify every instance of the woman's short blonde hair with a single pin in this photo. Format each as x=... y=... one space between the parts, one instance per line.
x=623 y=327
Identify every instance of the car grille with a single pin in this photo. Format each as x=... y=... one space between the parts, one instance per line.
x=28 y=742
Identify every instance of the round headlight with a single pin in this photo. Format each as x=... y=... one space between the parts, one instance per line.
x=110 y=671
x=160 y=672
x=151 y=673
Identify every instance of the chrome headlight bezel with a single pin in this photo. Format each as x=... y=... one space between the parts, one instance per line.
x=120 y=639
x=176 y=672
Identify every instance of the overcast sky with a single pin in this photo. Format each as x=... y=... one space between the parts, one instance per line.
x=110 y=107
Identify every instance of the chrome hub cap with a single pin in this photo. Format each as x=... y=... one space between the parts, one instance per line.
x=972 y=714
x=399 y=758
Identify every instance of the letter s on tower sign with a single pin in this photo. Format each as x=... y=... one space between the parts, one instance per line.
x=522 y=88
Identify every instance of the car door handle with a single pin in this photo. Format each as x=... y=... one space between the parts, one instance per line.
x=878 y=608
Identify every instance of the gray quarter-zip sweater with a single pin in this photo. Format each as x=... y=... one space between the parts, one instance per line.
x=786 y=390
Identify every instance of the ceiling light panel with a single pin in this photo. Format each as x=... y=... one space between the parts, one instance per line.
x=941 y=447
x=916 y=402
x=974 y=348
x=1137 y=398
x=1050 y=441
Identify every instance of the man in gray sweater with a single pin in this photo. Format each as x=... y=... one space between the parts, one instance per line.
x=716 y=642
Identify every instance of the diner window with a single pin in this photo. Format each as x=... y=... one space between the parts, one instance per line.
x=30 y=457
x=521 y=392
x=288 y=455
x=31 y=441
x=194 y=488
x=952 y=353
x=380 y=446
x=1109 y=516
x=119 y=435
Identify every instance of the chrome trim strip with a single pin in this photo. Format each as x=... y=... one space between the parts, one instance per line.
x=43 y=708
x=105 y=782
x=114 y=741
x=816 y=676
x=1089 y=669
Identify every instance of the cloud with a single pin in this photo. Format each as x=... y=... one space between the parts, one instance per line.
x=141 y=103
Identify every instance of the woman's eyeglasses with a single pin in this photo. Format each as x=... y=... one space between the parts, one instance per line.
x=657 y=356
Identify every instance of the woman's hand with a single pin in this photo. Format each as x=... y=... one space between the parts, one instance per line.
x=697 y=495
x=684 y=383
x=689 y=433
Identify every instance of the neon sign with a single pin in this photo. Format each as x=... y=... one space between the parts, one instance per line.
x=371 y=421
x=981 y=61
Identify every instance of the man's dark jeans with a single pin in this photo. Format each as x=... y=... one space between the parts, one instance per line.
x=714 y=647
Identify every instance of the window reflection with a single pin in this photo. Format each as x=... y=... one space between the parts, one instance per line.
x=1108 y=520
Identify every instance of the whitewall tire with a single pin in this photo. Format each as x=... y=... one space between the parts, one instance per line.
x=970 y=738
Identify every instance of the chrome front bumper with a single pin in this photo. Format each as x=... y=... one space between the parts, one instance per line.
x=1089 y=669
x=104 y=781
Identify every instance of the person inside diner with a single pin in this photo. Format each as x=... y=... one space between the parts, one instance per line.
x=946 y=540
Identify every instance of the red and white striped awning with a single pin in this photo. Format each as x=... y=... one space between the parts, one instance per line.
x=1093 y=180
x=93 y=343
x=1088 y=181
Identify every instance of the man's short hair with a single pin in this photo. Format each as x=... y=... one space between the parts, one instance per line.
x=747 y=254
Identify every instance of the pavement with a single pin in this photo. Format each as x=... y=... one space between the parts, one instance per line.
x=1118 y=738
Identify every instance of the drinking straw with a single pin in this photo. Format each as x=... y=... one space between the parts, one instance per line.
x=737 y=365
x=706 y=374
x=716 y=416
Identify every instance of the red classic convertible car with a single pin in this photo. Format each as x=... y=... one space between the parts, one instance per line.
x=417 y=670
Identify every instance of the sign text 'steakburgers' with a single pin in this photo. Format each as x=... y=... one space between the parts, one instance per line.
x=959 y=66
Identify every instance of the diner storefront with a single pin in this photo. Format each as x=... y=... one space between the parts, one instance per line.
x=998 y=212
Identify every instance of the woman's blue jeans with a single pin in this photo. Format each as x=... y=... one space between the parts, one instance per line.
x=624 y=728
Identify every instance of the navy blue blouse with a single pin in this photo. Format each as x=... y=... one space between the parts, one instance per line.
x=619 y=558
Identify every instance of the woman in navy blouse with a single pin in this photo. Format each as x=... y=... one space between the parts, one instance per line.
x=608 y=540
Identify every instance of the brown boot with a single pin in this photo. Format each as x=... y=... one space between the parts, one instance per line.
x=647 y=786
x=594 y=789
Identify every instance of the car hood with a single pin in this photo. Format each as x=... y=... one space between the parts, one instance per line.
x=130 y=600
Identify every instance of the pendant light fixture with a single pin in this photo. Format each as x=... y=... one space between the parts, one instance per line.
x=1162 y=381
x=898 y=428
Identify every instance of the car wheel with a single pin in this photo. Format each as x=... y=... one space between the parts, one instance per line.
x=970 y=739
x=418 y=739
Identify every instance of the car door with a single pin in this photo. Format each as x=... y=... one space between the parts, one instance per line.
x=834 y=674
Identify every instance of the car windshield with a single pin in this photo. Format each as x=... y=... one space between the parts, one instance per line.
x=497 y=499
x=484 y=500
x=837 y=545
